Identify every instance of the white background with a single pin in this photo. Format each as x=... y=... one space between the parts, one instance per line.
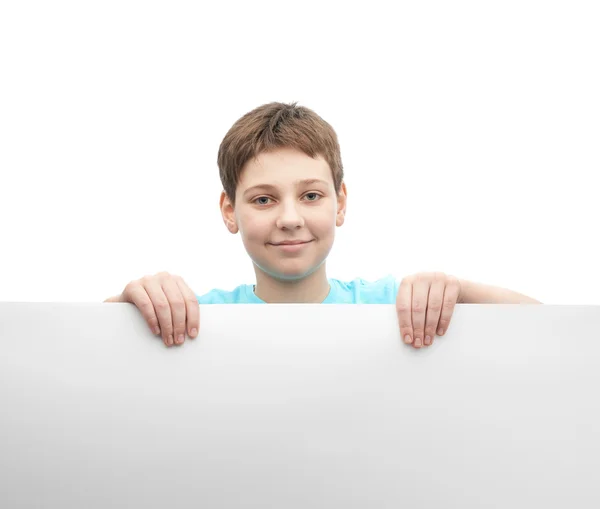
x=469 y=134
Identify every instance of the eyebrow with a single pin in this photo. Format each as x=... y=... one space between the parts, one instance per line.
x=306 y=182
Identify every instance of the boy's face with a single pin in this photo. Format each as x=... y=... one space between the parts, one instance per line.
x=283 y=208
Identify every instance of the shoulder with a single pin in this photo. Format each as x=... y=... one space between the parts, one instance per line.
x=218 y=296
x=362 y=291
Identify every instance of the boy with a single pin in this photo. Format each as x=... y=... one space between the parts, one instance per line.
x=281 y=170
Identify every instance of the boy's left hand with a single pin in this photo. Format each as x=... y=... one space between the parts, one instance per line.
x=425 y=303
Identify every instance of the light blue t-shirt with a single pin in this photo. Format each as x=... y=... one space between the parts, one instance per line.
x=357 y=291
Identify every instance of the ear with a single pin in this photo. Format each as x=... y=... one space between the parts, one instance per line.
x=341 y=207
x=228 y=213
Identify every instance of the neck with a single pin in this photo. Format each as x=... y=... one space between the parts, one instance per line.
x=310 y=289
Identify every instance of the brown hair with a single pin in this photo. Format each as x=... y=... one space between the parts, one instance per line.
x=272 y=126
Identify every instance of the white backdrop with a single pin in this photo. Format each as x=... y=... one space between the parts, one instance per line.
x=469 y=135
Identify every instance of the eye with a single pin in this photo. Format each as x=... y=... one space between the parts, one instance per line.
x=262 y=198
x=317 y=195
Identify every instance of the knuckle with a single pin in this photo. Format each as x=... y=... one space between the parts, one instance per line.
x=147 y=309
x=435 y=305
x=178 y=303
x=449 y=302
x=401 y=306
x=418 y=308
x=131 y=285
x=161 y=305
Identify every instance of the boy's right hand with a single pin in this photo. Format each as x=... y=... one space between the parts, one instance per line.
x=166 y=302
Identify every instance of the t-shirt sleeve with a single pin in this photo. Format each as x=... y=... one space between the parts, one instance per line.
x=212 y=297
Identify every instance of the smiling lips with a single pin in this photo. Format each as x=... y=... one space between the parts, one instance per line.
x=292 y=246
x=291 y=242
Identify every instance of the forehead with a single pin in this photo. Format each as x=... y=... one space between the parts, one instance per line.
x=283 y=167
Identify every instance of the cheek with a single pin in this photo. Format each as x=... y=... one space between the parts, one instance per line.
x=254 y=229
x=325 y=220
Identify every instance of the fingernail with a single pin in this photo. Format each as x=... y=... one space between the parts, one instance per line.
x=193 y=333
x=440 y=332
x=407 y=339
x=156 y=330
x=180 y=339
x=427 y=340
x=417 y=341
x=170 y=340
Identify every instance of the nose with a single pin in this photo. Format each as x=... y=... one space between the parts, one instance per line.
x=289 y=218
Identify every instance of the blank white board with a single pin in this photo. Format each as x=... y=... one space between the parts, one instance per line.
x=299 y=406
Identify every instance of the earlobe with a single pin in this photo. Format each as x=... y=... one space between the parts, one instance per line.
x=232 y=227
x=230 y=224
x=228 y=213
x=342 y=197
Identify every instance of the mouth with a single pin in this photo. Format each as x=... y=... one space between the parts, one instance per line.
x=291 y=243
x=291 y=246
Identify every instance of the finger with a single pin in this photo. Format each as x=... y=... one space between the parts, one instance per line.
x=192 y=307
x=162 y=308
x=419 y=307
x=434 y=308
x=137 y=294
x=403 y=308
x=177 y=303
x=451 y=293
